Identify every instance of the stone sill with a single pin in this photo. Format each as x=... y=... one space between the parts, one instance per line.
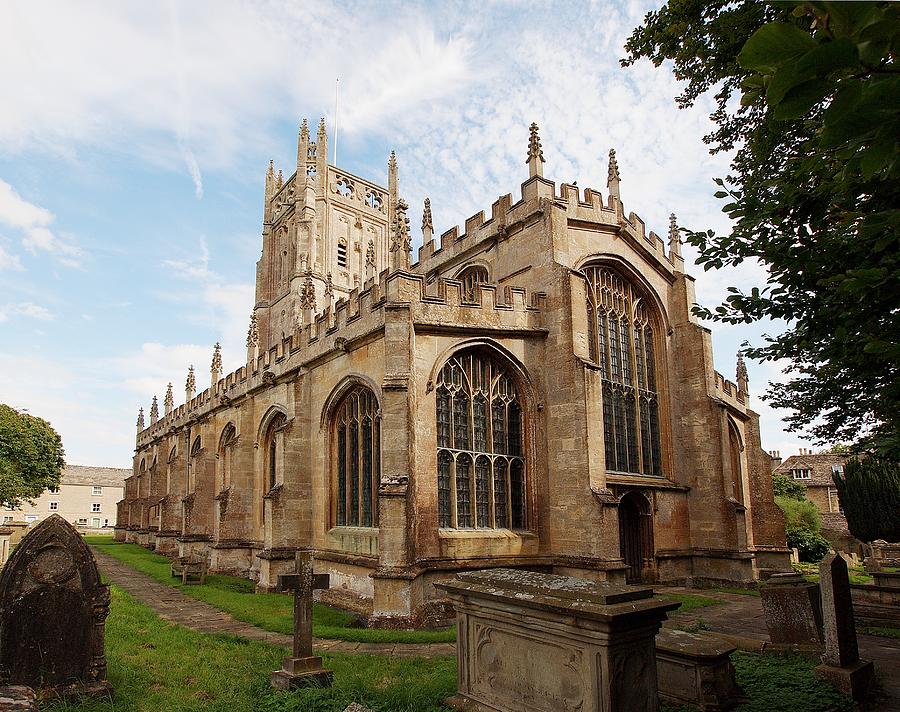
x=617 y=478
x=485 y=534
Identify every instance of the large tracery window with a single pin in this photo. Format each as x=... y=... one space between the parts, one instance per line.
x=274 y=452
x=481 y=466
x=621 y=332
x=225 y=456
x=471 y=277
x=357 y=442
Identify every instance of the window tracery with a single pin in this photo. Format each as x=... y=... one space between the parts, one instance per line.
x=481 y=467
x=357 y=453
x=622 y=341
x=471 y=277
x=274 y=450
x=226 y=456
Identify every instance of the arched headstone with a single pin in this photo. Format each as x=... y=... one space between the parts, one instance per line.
x=53 y=609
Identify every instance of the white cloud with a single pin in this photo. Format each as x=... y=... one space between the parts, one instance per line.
x=9 y=261
x=29 y=310
x=34 y=223
x=191 y=268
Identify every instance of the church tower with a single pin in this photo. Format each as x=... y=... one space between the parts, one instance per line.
x=324 y=231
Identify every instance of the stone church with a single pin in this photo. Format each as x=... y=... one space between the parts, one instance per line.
x=533 y=391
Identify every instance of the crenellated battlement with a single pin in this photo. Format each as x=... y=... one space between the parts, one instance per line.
x=729 y=391
x=338 y=327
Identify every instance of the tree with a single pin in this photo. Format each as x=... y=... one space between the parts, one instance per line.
x=814 y=195
x=869 y=492
x=31 y=456
x=803 y=527
x=783 y=486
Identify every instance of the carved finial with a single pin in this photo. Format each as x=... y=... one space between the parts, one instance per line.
x=279 y=180
x=304 y=130
x=169 y=400
x=308 y=294
x=329 y=287
x=427 y=225
x=216 y=365
x=612 y=180
x=190 y=385
x=140 y=420
x=322 y=130
x=743 y=379
x=535 y=154
x=370 y=260
x=271 y=171
x=674 y=238
x=401 y=246
x=154 y=410
x=392 y=161
x=253 y=331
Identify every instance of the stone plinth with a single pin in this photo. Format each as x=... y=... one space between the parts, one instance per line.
x=887 y=579
x=695 y=669
x=297 y=673
x=793 y=610
x=530 y=642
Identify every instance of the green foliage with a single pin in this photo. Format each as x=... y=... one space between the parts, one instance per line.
x=691 y=601
x=31 y=456
x=814 y=195
x=869 y=491
x=802 y=524
x=270 y=611
x=784 y=486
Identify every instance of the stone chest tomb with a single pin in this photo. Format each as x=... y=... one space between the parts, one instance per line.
x=53 y=609
x=531 y=642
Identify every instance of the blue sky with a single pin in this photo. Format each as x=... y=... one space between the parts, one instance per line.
x=134 y=139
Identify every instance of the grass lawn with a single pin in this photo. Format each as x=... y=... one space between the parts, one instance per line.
x=880 y=631
x=689 y=601
x=270 y=611
x=155 y=665
x=739 y=591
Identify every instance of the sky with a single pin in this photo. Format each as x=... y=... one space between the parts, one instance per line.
x=134 y=139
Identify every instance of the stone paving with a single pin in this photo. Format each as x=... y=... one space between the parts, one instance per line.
x=172 y=605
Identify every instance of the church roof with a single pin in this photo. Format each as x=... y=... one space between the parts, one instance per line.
x=94 y=476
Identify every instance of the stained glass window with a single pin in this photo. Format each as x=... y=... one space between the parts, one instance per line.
x=622 y=343
x=481 y=473
x=357 y=442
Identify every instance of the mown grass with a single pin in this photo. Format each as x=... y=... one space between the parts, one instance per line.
x=156 y=665
x=270 y=611
x=690 y=601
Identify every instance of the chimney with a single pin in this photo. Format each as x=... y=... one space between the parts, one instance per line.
x=775 y=455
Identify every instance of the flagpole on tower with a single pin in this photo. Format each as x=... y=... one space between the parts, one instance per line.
x=336 y=88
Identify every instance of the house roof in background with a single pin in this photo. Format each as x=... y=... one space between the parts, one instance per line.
x=819 y=467
x=94 y=476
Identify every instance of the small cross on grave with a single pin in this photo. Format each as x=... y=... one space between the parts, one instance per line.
x=303 y=669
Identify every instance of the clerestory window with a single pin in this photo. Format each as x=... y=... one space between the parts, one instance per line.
x=471 y=277
x=481 y=459
x=623 y=342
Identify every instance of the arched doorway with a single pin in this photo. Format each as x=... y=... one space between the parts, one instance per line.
x=635 y=534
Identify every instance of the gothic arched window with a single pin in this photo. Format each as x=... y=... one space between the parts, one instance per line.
x=225 y=456
x=481 y=466
x=622 y=342
x=192 y=464
x=274 y=451
x=357 y=453
x=734 y=452
x=471 y=277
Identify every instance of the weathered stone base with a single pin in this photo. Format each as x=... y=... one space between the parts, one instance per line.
x=232 y=558
x=297 y=673
x=461 y=703
x=72 y=693
x=272 y=563
x=856 y=681
x=131 y=536
x=196 y=545
x=143 y=538
x=119 y=533
x=166 y=544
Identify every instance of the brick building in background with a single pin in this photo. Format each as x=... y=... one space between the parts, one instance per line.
x=815 y=471
x=86 y=498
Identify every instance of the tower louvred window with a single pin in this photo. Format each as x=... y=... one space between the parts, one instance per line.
x=481 y=478
x=622 y=336
x=471 y=277
x=357 y=453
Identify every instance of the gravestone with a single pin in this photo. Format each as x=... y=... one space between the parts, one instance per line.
x=841 y=665
x=532 y=642
x=793 y=611
x=53 y=609
x=303 y=669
